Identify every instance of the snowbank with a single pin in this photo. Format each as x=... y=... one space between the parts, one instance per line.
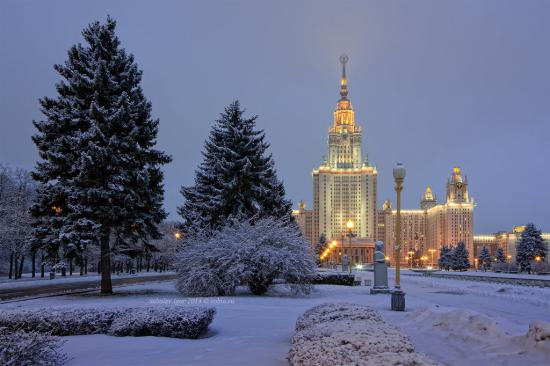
x=481 y=332
x=172 y=322
x=349 y=334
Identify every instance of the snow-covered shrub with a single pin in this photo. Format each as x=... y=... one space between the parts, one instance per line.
x=60 y=322
x=505 y=267
x=251 y=253
x=19 y=348
x=334 y=278
x=350 y=334
x=168 y=322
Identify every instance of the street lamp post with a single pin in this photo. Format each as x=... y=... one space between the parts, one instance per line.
x=349 y=225
x=398 y=296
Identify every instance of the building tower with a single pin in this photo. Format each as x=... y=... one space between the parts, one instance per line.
x=344 y=186
x=428 y=199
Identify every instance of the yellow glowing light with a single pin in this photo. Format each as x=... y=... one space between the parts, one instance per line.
x=537 y=258
x=349 y=224
x=177 y=235
x=387 y=258
x=57 y=210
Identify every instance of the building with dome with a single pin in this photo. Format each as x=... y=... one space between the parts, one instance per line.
x=425 y=230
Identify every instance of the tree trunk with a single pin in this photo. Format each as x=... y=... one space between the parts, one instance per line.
x=33 y=264
x=85 y=266
x=11 y=266
x=21 y=266
x=81 y=265
x=148 y=264
x=42 y=264
x=106 y=285
x=71 y=266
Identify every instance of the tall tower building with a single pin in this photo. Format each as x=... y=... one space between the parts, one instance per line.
x=344 y=186
x=453 y=221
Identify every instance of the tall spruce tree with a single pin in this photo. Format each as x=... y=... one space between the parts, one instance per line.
x=445 y=257
x=320 y=246
x=530 y=246
x=101 y=176
x=460 y=257
x=499 y=255
x=484 y=258
x=236 y=178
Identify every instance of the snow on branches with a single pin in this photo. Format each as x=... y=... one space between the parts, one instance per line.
x=245 y=253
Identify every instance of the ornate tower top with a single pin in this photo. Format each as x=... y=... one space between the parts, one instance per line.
x=344 y=119
x=428 y=199
x=457 y=187
x=344 y=81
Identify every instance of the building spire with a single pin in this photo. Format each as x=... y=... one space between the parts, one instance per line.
x=344 y=81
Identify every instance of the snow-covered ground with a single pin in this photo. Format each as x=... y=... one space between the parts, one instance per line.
x=492 y=274
x=454 y=322
x=28 y=282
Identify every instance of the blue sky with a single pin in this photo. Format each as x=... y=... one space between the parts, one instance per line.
x=433 y=83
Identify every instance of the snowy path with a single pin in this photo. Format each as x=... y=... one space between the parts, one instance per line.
x=249 y=330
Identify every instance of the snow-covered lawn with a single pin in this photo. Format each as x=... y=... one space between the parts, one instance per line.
x=452 y=321
x=28 y=282
x=543 y=277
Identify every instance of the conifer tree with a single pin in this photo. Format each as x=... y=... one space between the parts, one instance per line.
x=484 y=258
x=320 y=246
x=236 y=178
x=530 y=246
x=500 y=256
x=101 y=176
x=459 y=257
x=445 y=260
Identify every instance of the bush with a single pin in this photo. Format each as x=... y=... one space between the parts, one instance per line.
x=163 y=323
x=21 y=348
x=349 y=334
x=168 y=322
x=332 y=278
x=505 y=267
x=251 y=253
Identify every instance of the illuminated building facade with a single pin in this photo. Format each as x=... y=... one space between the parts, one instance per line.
x=508 y=241
x=304 y=219
x=344 y=186
x=433 y=225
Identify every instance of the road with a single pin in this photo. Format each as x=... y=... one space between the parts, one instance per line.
x=57 y=289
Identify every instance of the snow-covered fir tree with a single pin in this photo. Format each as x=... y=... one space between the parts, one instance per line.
x=101 y=176
x=236 y=178
x=530 y=246
x=445 y=257
x=459 y=255
x=499 y=255
x=320 y=246
x=484 y=258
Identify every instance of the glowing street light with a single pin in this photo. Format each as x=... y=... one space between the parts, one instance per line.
x=177 y=235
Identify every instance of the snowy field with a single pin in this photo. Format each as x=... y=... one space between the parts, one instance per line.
x=454 y=322
x=28 y=281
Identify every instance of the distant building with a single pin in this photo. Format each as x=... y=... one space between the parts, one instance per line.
x=508 y=241
x=433 y=225
x=344 y=186
x=304 y=219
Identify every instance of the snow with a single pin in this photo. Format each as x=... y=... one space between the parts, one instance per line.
x=257 y=330
x=490 y=274
x=6 y=284
x=350 y=334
